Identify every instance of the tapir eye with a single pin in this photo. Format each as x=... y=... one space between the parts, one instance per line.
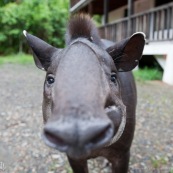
x=113 y=77
x=50 y=80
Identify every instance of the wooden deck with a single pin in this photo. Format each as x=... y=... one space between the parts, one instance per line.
x=156 y=23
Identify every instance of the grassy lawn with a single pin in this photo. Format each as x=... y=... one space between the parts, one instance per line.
x=147 y=74
x=20 y=58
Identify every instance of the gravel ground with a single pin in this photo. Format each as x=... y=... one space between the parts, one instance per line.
x=21 y=147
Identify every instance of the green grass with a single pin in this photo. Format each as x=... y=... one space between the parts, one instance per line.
x=140 y=75
x=159 y=162
x=147 y=74
x=20 y=58
x=171 y=170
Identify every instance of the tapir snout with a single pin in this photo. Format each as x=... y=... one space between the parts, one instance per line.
x=80 y=137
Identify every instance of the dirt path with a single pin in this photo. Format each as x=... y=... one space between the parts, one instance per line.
x=21 y=147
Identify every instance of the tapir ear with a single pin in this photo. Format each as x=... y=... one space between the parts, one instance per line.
x=127 y=53
x=42 y=51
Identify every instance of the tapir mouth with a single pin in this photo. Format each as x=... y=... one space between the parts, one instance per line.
x=118 y=117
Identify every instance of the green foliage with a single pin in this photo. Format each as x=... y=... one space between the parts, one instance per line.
x=20 y=58
x=43 y=18
x=171 y=170
x=4 y=2
x=159 y=162
x=97 y=19
x=147 y=74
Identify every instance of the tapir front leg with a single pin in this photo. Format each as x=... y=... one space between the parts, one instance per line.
x=78 y=166
x=120 y=165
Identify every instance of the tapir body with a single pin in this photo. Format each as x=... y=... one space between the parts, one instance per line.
x=89 y=98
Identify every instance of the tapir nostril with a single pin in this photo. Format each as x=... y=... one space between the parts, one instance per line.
x=101 y=137
x=104 y=133
x=86 y=136
x=53 y=138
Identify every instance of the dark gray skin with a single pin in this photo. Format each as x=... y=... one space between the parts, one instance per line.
x=89 y=98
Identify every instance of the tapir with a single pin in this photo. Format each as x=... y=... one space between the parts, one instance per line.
x=89 y=97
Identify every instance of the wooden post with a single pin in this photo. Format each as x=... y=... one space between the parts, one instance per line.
x=130 y=12
x=90 y=9
x=151 y=24
x=168 y=23
x=106 y=10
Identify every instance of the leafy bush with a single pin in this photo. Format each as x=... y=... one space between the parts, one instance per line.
x=147 y=74
x=45 y=19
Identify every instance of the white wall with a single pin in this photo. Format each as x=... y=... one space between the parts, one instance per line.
x=162 y=48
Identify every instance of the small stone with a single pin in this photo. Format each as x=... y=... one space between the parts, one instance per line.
x=55 y=156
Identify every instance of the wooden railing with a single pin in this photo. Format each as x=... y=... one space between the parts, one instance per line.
x=156 y=23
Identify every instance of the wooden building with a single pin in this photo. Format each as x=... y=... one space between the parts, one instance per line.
x=122 y=18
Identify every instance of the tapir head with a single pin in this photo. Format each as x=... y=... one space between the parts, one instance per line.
x=82 y=105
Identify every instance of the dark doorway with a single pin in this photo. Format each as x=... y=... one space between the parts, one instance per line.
x=149 y=61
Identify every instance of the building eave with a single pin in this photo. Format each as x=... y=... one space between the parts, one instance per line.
x=79 y=5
